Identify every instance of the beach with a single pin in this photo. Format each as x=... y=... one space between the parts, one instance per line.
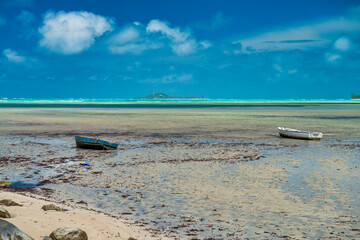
x=37 y=223
x=187 y=170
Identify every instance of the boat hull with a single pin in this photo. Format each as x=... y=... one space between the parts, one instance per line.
x=293 y=133
x=94 y=143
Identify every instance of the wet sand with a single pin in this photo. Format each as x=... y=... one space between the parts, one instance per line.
x=194 y=173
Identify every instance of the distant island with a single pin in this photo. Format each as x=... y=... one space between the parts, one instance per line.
x=355 y=96
x=164 y=96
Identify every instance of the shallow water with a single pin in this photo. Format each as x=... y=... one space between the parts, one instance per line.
x=196 y=173
x=248 y=121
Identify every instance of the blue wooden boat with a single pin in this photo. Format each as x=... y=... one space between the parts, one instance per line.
x=94 y=143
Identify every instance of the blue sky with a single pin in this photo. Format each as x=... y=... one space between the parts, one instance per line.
x=255 y=49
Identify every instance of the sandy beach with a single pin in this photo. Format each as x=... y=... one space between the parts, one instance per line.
x=209 y=173
x=37 y=223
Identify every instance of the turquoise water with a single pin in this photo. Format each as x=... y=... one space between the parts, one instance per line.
x=134 y=100
x=317 y=104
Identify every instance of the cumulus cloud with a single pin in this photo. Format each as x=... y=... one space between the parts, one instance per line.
x=184 y=48
x=131 y=39
x=136 y=38
x=72 y=32
x=339 y=50
x=342 y=44
x=128 y=34
x=181 y=41
x=13 y=56
x=175 y=34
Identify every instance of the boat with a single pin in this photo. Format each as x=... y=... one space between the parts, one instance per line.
x=293 y=133
x=94 y=143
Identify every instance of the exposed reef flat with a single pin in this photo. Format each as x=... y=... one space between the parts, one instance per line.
x=198 y=189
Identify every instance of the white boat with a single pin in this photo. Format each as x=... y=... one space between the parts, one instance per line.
x=293 y=133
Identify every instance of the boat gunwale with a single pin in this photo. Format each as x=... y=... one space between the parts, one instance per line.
x=99 y=143
x=287 y=132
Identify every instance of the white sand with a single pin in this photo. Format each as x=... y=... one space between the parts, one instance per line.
x=37 y=223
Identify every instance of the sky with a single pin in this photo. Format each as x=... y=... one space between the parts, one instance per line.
x=233 y=49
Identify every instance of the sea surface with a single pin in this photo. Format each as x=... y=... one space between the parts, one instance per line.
x=204 y=101
x=199 y=118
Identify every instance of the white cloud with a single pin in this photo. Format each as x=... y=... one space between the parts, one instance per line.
x=175 y=34
x=72 y=32
x=205 y=44
x=131 y=39
x=316 y=34
x=127 y=35
x=184 y=48
x=13 y=56
x=332 y=58
x=342 y=44
x=135 y=48
x=181 y=41
x=135 y=38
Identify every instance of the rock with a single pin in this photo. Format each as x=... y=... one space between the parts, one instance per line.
x=10 y=231
x=4 y=184
x=9 y=202
x=51 y=207
x=72 y=233
x=4 y=213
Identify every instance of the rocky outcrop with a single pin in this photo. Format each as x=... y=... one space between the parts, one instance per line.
x=10 y=231
x=4 y=213
x=9 y=202
x=51 y=207
x=72 y=233
x=4 y=184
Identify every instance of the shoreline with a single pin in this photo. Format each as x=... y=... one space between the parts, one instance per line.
x=37 y=223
